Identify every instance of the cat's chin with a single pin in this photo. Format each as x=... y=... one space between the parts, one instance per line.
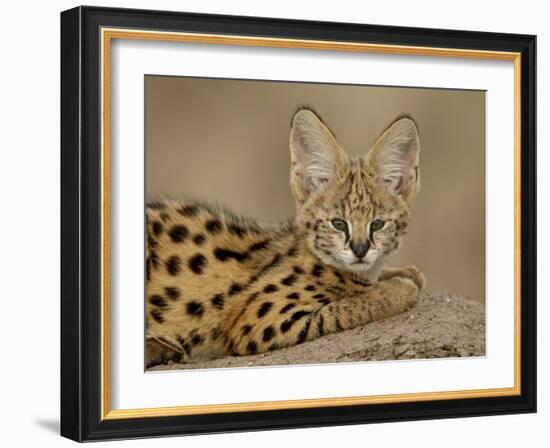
x=359 y=268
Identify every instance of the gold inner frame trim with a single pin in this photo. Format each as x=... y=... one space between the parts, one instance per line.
x=107 y=35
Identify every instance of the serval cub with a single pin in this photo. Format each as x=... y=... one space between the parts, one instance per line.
x=219 y=284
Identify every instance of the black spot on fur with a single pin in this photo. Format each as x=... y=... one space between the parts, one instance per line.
x=157 y=205
x=264 y=309
x=287 y=307
x=197 y=263
x=157 y=228
x=287 y=325
x=299 y=314
x=214 y=226
x=235 y=229
x=298 y=270
x=157 y=315
x=270 y=288
x=273 y=347
x=317 y=270
x=319 y=296
x=151 y=242
x=252 y=347
x=260 y=245
x=231 y=346
x=289 y=280
x=321 y=325
x=153 y=256
x=293 y=295
x=172 y=292
x=187 y=348
x=235 y=289
x=269 y=333
x=218 y=301
x=197 y=339
x=293 y=251
x=227 y=254
x=252 y=279
x=183 y=342
x=246 y=329
x=188 y=210
x=157 y=300
x=199 y=239
x=302 y=336
x=324 y=301
x=178 y=233
x=195 y=309
x=215 y=333
x=173 y=265
x=310 y=288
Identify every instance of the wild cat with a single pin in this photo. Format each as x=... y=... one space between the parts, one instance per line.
x=219 y=284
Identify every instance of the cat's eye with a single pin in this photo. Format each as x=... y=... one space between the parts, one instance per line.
x=340 y=224
x=376 y=225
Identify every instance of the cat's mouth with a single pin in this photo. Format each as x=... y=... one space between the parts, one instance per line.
x=359 y=266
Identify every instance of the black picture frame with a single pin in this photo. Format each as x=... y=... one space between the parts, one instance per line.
x=81 y=415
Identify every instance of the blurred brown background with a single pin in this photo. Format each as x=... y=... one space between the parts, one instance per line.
x=226 y=142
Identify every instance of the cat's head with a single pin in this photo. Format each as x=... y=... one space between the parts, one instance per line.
x=353 y=211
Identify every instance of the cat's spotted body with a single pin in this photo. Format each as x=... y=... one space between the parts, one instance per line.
x=221 y=285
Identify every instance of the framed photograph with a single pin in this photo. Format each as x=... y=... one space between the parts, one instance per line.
x=273 y=223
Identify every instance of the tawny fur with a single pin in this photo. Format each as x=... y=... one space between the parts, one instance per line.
x=218 y=284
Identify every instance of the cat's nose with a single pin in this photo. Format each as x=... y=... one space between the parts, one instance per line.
x=359 y=250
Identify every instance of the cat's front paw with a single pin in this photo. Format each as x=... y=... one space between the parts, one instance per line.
x=412 y=273
x=404 y=292
x=408 y=272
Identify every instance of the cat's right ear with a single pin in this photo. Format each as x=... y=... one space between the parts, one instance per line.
x=316 y=157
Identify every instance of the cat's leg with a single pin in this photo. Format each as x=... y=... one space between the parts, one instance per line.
x=160 y=352
x=302 y=322
x=410 y=272
x=182 y=342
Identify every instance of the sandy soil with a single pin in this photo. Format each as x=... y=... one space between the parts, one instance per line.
x=438 y=326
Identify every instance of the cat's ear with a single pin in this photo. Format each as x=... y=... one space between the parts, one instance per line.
x=393 y=160
x=316 y=157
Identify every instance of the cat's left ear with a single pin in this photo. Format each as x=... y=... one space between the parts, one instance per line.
x=393 y=160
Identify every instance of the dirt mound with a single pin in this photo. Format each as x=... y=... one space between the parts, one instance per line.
x=439 y=326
